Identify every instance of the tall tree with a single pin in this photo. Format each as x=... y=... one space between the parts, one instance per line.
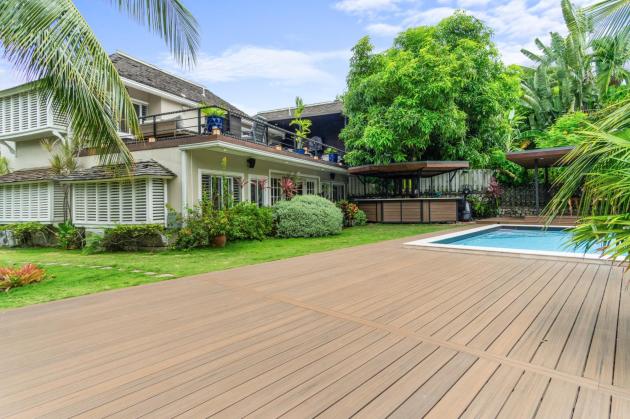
x=563 y=79
x=441 y=92
x=49 y=41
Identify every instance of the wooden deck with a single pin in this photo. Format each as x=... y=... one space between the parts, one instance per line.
x=369 y=331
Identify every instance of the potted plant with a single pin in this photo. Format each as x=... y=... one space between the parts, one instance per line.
x=218 y=225
x=215 y=118
x=331 y=155
x=303 y=126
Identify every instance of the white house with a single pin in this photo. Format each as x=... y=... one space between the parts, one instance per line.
x=176 y=161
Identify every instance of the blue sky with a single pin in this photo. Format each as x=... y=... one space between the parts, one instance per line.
x=261 y=54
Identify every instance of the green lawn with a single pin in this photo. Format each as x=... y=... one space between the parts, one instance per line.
x=72 y=280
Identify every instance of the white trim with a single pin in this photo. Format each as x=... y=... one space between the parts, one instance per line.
x=201 y=172
x=184 y=179
x=274 y=156
x=266 y=191
x=430 y=243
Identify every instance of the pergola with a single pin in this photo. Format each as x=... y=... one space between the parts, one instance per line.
x=414 y=169
x=540 y=158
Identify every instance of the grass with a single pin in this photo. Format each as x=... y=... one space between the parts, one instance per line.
x=72 y=280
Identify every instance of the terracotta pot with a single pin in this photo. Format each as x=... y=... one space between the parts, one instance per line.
x=219 y=241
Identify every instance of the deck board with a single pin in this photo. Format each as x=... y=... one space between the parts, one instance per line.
x=375 y=331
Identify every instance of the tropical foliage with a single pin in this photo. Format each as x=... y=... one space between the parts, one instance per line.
x=50 y=41
x=302 y=125
x=307 y=216
x=20 y=276
x=441 y=92
x=4 y=165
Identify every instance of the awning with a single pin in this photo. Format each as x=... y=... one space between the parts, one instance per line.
x=427 y=168
x=543 y=157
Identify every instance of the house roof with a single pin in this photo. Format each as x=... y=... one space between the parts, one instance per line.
x=427 y=168
x=28 y=175
x=546 y=157
x=136 y=70
x=148 y=168
x=314 y=109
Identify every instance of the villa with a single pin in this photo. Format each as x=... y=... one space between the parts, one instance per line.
x=178 y=159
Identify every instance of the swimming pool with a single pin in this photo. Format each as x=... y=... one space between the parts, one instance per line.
x=511 y=239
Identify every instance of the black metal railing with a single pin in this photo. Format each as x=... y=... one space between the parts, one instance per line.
x=190 y=122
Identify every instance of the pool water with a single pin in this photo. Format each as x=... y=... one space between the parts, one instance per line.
x=552 y=239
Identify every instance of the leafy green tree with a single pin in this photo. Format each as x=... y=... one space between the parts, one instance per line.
x=441 y=92
x=303 y=125
x=50 y=41
x=566 y=131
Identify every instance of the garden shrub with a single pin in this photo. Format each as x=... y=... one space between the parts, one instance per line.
x=349 y=211
x=93 y=244
x=360 y=218
x=69 y=236
x=307 y=216
x=133 y=237
x=203 y=223
x=18 y=277
x=248 y=221
x=32 y=234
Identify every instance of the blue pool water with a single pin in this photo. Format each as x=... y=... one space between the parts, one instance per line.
x=522 y=238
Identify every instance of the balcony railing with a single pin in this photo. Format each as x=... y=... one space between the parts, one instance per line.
x=192 y=122
x=27 y=113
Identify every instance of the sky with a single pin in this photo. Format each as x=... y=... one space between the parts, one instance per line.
x=260 y=55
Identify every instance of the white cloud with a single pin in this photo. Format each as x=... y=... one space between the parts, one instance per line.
x=383 y=29
x=365 y=6
x=471 y=4
x=427 y=17
x=282 y=66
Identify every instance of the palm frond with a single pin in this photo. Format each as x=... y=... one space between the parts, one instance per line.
x=171 y=20
x=610 y=17
x=51 y=42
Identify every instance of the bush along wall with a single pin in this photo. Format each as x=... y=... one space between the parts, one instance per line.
x=31 y=234
x=307 y=216
x=134 y=237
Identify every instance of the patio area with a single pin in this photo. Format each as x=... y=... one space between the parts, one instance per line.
x=376 y=330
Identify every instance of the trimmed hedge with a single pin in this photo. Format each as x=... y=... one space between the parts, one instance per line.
x=307 y=216
x=249 y=222
x=133 y=237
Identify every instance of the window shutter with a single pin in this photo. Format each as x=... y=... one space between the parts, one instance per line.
x=140 y=201
x=79 y=203
x=158 y=200
x=236 y=189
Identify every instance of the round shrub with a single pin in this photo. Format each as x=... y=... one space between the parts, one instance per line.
x=249 y=222
x=307 y=216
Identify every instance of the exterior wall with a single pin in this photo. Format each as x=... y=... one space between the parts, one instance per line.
x=29 y=154
x=209 y=161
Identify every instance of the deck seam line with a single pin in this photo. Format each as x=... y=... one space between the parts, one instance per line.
x=581 y=381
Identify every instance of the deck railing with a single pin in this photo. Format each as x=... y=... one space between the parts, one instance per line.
x=192 y=122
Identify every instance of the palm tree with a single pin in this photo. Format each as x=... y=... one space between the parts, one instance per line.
x=599 y=170
x=49 y=41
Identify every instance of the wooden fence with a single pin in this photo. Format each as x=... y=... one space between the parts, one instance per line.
x=475 y=179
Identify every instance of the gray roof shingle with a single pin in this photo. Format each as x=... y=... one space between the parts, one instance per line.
x=28 y=175
x=148 y=168
x=140 y=72
x=316 y=109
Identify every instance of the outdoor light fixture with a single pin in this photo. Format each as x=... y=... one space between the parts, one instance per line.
x=332 y=176
x=251 y=163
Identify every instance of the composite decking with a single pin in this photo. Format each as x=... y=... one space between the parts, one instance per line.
x=368 y=331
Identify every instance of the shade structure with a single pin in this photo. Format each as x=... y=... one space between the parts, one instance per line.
x=428 y=168
x=540 y=158
x=543 y=157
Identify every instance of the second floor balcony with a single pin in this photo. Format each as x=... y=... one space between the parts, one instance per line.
x=27 y=115
x=193 y=125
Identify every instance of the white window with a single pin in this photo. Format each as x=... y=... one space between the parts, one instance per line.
x=276 y=189
x=221 y=190
x=258 y=190
x=26 y=202
x=140 y=201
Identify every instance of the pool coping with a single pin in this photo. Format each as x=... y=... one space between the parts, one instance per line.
x=429 y=244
